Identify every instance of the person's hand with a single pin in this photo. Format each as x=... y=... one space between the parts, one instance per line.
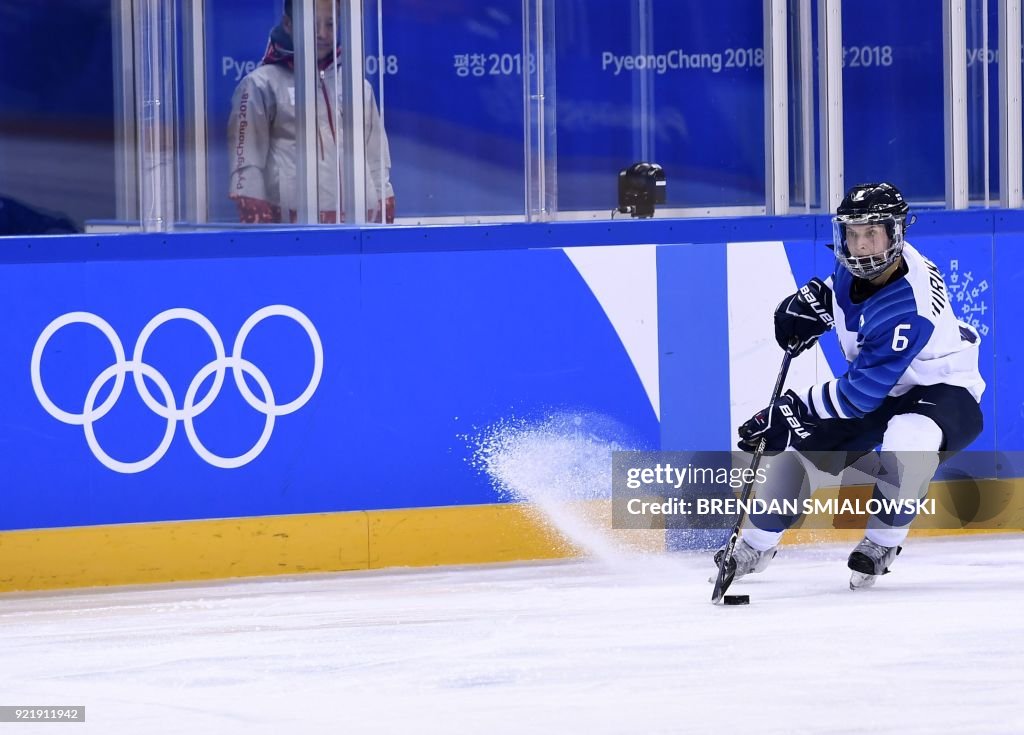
x=256 y=211
x=374 y=215
x=803 y=317
x=787 y=424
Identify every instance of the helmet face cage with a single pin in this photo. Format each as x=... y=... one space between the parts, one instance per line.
x=868 y=266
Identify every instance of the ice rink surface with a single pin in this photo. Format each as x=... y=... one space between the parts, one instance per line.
x=627 y=646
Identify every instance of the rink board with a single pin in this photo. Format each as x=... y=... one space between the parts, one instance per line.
x=157 y=383
x=273 y=545
x=336 y=542
x=244 y=547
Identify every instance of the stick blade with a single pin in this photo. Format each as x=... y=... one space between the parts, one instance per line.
x=722 y=582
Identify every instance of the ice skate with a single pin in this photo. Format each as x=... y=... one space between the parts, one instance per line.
x=869 y=561
x=745 y=560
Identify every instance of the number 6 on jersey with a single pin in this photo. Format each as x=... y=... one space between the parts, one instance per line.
x=899 y=342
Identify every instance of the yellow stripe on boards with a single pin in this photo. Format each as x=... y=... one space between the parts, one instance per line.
x=141 y=553
x=182 y=551
x=186 y=551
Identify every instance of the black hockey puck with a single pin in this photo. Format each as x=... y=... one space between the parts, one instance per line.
x=736 y=600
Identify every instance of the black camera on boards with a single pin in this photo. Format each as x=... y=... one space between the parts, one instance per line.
x=641 y=186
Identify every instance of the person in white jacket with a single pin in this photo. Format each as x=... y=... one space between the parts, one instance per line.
x=262 y=127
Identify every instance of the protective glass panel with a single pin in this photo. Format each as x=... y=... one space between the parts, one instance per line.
x=674 y=82
x=803 y=141
x=238 y=43
x=893 y=96
x=278 y=150
x=983 y=101
x=59 y=136
x=448 y=77
x=379 y=66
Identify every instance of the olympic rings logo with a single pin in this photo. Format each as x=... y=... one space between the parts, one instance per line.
x=167 y=409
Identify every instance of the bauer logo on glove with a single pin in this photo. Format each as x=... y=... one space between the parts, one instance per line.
x=803 y=317
x=784 y=425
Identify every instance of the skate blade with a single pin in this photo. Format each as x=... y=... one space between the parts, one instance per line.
x=860 y=581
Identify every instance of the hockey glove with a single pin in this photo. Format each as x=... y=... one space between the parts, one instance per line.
x=788 y=424
x=803 y=317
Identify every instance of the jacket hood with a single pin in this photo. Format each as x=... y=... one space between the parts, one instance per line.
x=280 y=50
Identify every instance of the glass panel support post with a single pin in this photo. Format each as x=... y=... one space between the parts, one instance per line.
x=776 y=108
x=1010 y=187
x=954 y=64
x=830 y=93
x=539 y=100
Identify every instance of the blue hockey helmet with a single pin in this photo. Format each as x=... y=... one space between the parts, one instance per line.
x=865 y=205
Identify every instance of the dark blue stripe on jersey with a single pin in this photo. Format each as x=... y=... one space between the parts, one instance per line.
x=879 y=367
x=849 y=407
x=827 y=400
x=890 y=303
x=967 y=335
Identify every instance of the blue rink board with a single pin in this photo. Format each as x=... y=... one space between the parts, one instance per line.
x=423 y=352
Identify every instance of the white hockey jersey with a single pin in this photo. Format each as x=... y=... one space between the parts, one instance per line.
x=901 y=336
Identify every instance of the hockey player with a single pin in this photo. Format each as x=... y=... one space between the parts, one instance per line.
x=912 y=385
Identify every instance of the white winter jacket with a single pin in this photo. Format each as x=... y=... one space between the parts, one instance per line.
x=261 y=133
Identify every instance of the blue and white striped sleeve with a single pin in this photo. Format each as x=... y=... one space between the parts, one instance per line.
x=884 y=357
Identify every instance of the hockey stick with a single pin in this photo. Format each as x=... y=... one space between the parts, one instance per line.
x=721 y=583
